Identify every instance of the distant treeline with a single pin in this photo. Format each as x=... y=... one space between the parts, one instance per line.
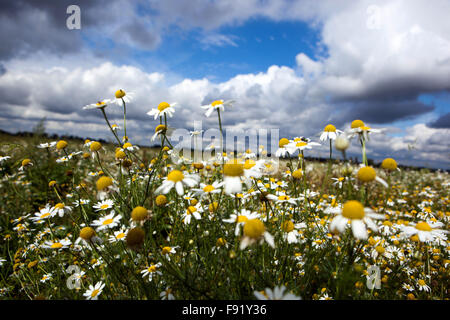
x=316 y=159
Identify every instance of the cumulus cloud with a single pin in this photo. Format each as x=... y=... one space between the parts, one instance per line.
x=380 y=57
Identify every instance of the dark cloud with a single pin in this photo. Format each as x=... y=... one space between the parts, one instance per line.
x=441 y=123
x=380 y=112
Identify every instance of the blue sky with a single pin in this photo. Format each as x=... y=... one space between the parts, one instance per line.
x=296 y=65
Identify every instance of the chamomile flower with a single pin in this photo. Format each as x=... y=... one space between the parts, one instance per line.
x=282 y=150
x=358 y=216
x=121 y=96
x=61 y=209
x=45 y=213
x=358 y=127
x=255 y=232
x=217 y=105
x=25 y=164
x=241 y=218
x=55 y=244
x=107 y=222
x=46 y=277
x=47 y=145
x=278 y=293
x=104 y=205
x=160 y=129
x=209 y=189
x=99 y=105
x=176 y=179
x=426 y=231
x=233 y=172
x=330 y=132
x=151 y=271
x=191 y=211
x=94 y=291
x=119 y=235
x=163 y=108
x=300 y=144
x=422 y=285
x=115 y=127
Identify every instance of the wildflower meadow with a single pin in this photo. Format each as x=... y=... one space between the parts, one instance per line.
x=115 y=220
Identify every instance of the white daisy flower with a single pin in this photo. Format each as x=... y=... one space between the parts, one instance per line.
x=163 y=109
x=426 y=231
x=176 y=179
x=241 y=218
x=217 y=105
x=329 y=133
x=47 y=145
x=355 y=213
x=121 y=96
x=94 y=291
x=151 y=271
x=255 y=232
x=119 y=235
x=61 y=209
x=299 y=144
x=103 y=205
x=44 y=213
x=99 y=105
x=107 y=222
x=278 y=293
x=61 y=244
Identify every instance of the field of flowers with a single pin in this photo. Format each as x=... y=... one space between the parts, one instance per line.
x=115 y=221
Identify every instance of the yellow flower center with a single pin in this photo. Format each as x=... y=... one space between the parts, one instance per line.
x=120 y=94
x=389 y=164
x=103 y=183
x=353 y=210
x=283 y=198
x=254 y=228
x=209 y=188
x=61 y=144
x=191 y=210
x=139 y=213
x=127 y=145
x=94 y=293
x=283 y=142
x=249 y=164
x=240 y=219
x=59 y=206
x=160 y=127
x=366 y=174
x=87 y=233
x=107 y=221
x=301 y=144
x=166 y=250
x=423 y=226
x=163 y=105
x=287 y=226
x=56 y=245
x=233 y=168
x=152 y=268
x=330 y=128
x=297 y=174
x=380 y=249
x=120 y=235
x=161 y=200
x=357 y=124
x=45 y=215
x=217 y=103
x=120 y=154
x=25 y=162
x=220 y=242
x=175 y=176
x=95 y=146
x=421 y=282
